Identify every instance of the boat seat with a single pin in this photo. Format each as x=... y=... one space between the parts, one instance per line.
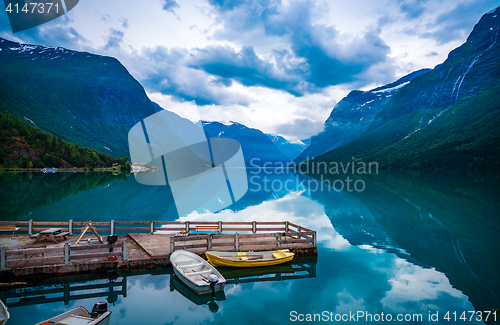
x=74 y=320
x=279 y=254
x=191 y=265
x=198 y=272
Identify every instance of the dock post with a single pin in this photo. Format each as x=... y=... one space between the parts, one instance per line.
x=124 y=287
x=2 y=258
x=70 y=227
x=254 y=227
x=172 y=246
x=187 y=226
x=30 y=227
x=236 y=242
x=66 y=253
x=209 y=242
x=66 y=294
x=152 y=226
x=124 y=250
x=112 y=225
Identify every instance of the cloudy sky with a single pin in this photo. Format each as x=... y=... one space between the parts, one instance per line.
x=276 y=65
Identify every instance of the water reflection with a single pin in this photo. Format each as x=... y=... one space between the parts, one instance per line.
x=408 y=243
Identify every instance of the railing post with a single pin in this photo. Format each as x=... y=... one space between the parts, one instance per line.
x=314 y=238
x=287 y=226
x=254 y=227
x=124 y=250
x=112 y=225
x=66 y=253
x=2 y=258
x=209 y=242
x=30 y=227
x=172 y=246
x=152 y=227
x=220 y=228
x=236 y=242
x=299 y=231
x=70 y=226
x=187 y=226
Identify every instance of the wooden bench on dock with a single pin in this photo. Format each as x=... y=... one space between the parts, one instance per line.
x=207 y=228
x=9 y=229
x=62 y=234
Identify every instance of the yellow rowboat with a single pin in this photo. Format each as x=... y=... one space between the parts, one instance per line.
x=249 y=259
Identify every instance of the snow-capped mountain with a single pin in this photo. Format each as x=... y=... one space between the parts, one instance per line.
x=352 y=116
x=447 y=118
x=86 y=99
x=288 y=148
x=257 y=148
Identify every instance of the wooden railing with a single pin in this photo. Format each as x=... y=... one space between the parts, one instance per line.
x=64 y=293
x=55 y=255
x=114 y=227
x=282 y=233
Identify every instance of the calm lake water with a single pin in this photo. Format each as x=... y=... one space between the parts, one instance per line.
x=408 y=244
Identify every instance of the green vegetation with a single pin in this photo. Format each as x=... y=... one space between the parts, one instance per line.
x=23 y=193
x=24 y=146
x=85 y=99
x=464 y=136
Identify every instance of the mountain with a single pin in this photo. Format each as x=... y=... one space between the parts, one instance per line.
x=257 y=148
x=86 y=99
x=447 y=118
x=352 y=116
x=289 y=149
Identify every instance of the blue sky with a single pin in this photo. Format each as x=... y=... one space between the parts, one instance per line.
x=276 y=65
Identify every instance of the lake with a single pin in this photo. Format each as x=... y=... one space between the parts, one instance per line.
x=419 y=247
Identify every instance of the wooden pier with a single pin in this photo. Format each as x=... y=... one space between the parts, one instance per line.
x=141 y=244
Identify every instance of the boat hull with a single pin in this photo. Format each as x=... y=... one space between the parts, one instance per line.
x=219 y=259
x=194 y=272
x=83 y=317
x=198 y=289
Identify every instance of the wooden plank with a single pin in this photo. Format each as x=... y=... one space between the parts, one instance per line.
x=34 y=261
x=131 y=228
x=236 y=223
x=50 y=223
x=94 y=255
x=93 y=247
x=177 y=247
x=288 y=241
x=169 y=223
x=281 y=223
x=42 y=229
x=168 y=229
x=271 y=229
x=215 y=223
x=214 y=244
x=269 y=234
x=259 y=243
x=14 y=222
x=33 y=251
x=131 y=223
x=236 y=229
x=189 y=238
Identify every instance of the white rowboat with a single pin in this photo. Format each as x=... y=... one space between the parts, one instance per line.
x=195 y=272
x=80 y=316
